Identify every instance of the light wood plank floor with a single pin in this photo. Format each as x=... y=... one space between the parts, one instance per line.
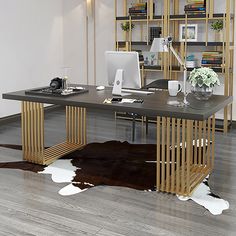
x=30 y=205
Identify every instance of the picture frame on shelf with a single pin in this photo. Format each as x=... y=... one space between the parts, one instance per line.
x=192 y=32
x=150 y=58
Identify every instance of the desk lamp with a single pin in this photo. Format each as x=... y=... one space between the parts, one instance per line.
x=165 y=45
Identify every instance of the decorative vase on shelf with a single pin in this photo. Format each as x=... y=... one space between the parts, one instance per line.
x=218 y=27
x=202 y=93
x=203 y=81
x=219 y=37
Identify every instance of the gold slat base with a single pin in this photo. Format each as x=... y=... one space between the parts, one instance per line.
x=53 y=153
x=181 y=169
x=197 y=175
x=33 y=133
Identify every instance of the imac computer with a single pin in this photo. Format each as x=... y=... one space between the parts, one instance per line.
x=123 y=72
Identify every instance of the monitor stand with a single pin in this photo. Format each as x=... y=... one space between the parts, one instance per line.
x=117 y=87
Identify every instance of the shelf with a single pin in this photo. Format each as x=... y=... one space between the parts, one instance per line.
x=157 y=68
x=173 y=17
x=195 y=17
x=177 y=69
x=138 y=18
x=202 y=44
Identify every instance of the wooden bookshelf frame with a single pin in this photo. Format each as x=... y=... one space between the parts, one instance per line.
x=170 y=24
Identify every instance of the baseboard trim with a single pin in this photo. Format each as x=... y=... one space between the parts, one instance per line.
x=17 y=117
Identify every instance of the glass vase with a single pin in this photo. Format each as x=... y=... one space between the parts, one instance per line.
x=202 y=93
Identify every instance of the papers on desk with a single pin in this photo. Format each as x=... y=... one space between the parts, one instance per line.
x=123 y=100
x=127 y=100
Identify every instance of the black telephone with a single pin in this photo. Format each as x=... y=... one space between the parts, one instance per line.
x=56 y=83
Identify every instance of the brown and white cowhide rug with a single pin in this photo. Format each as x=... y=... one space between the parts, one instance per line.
x=112 y=163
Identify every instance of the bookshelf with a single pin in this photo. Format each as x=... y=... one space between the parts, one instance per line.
x=169 y=19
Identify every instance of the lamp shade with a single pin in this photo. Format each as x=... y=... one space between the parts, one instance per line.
x=158 y=45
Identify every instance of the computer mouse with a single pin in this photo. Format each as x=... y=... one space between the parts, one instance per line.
x=79 y=88
x=100 y=88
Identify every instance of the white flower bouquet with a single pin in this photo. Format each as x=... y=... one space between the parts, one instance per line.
x=203 y=77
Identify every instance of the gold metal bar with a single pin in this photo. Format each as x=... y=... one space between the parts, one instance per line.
x=85 y=127
x=125 y=7
x=28 y=130
x=189 y=144
x=163 y=153
x=32 y=128
x=173 y=159
x=168 y=155
x=207 y=21
x=67 y=123
x=204 y=143
x=72 y=124
x=116 y=39
x=35 y=131
x=23 y=136
x=130 y=34
x=195 y=143
x=183 y=157
x=39 y=145
x=211 y=9
x=178 y=158
x=158 y=170
x=147 y=21
x=42 y=128
x=185 y=41
x=200 y=143
x=151 y=10
x=208 y=142
x=79 y=126
x=213 y=141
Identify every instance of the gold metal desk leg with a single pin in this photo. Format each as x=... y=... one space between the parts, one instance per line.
x=32 y=121
x=185 y=154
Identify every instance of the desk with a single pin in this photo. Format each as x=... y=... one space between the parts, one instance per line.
x=185 y=136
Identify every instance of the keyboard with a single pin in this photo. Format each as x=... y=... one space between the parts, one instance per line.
x=136 y=91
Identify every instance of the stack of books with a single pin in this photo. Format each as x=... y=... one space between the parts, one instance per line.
x=138 y=9
x=212 y=59
x=195 y=7
x=191 y=61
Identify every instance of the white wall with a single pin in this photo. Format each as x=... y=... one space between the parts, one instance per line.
x=74 y=39
x=105 y=36
x=30 y=46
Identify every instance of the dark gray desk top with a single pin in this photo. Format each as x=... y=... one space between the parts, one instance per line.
x=153 y=105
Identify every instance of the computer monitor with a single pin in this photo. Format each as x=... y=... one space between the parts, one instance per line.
x=123 y=71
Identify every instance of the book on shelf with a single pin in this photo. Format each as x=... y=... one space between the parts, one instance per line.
x=196 y=1
x=139 y=9
x=212 y=59
x=205 y=62
x=194 y=7
x=212 y=65
x=191 y=61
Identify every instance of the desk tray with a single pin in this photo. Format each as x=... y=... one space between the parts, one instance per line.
x=46 y=91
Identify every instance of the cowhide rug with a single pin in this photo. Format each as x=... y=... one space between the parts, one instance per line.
x=114 y=164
